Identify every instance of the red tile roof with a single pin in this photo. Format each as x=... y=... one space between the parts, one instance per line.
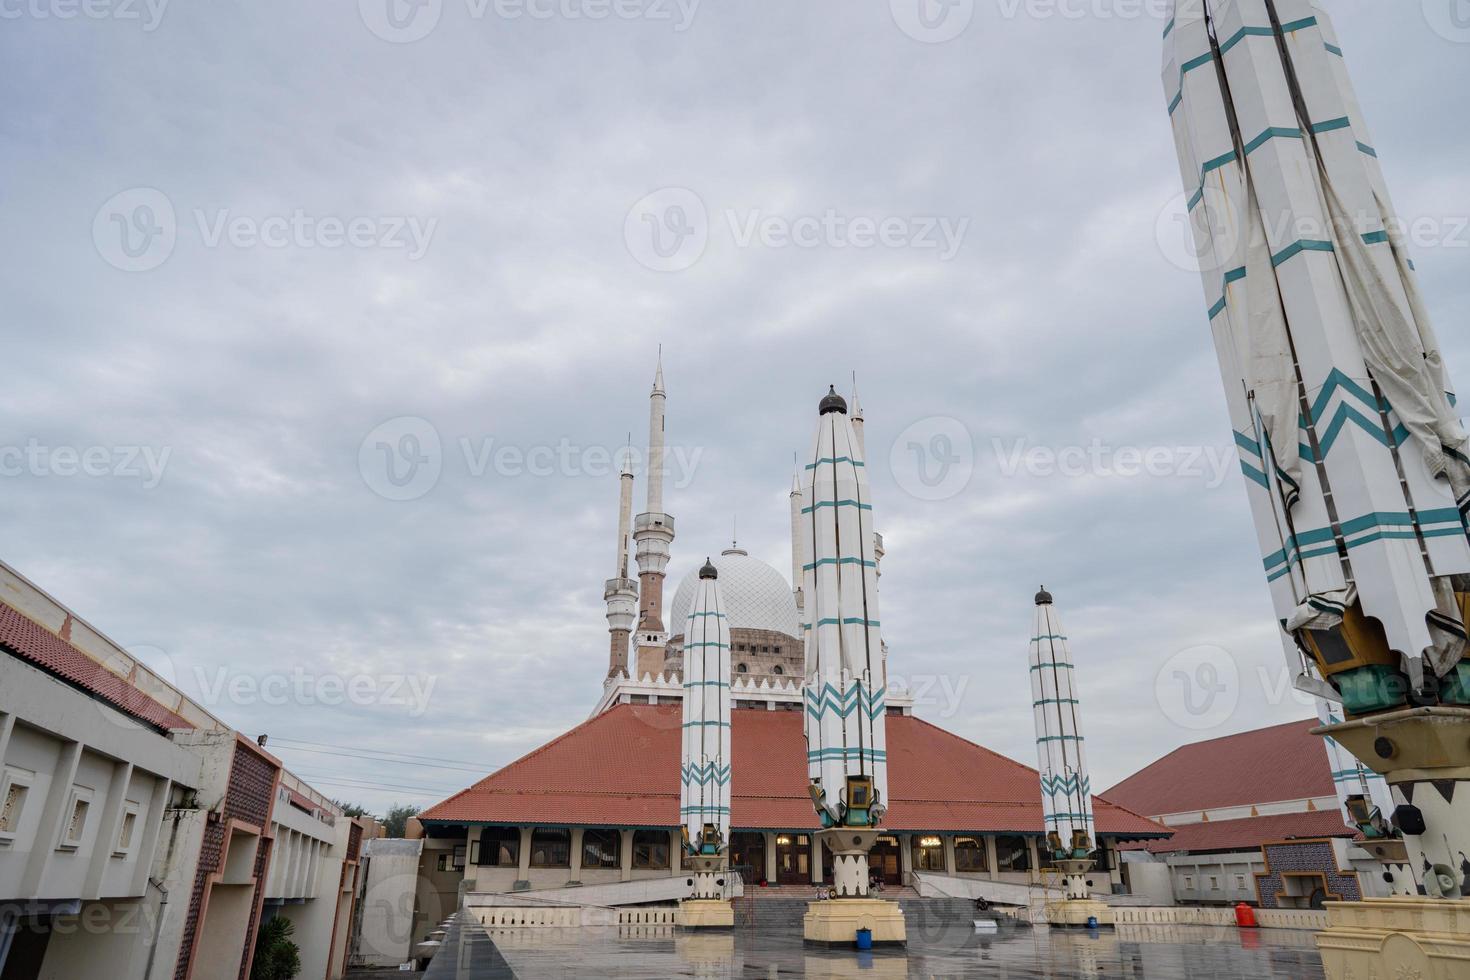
x=33 y=643
x=621 y=768
x=1283 y=762
x=1248 y=833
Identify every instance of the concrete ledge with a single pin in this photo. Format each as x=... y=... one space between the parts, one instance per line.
x=1396 y=937
x=698 y=913
x=1309 y=919
x=574 y=916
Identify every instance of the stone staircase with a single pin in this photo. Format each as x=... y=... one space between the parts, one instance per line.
x=773 y=910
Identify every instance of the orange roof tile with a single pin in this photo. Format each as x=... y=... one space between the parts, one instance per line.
x=1248 y=833
x=33 y=643
x=621 y=768
x=1283 y=762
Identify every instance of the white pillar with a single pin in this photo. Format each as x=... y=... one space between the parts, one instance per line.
x=575 y=872
x=523 y=872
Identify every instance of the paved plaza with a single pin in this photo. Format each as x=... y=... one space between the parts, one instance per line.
x=936 y=949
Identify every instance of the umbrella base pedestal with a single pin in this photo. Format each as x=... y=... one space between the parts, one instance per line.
x=705 y=913
x=1396 y=937
x=1077 y=912
x=1423 y=754
x=835 y=922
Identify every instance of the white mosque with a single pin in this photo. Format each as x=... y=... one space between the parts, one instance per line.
x=599 y=805
x=764 y=609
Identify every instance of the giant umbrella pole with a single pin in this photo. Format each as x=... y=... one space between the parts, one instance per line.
x=704 y=770
x=847 y=757
x=1066 y=785
x=1355 y=462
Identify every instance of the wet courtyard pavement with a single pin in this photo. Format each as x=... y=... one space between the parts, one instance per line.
x=938 y=951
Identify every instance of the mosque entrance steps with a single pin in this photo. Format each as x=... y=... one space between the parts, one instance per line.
x=784 y=912
x=644 y=891
x=931 y=885
x=807 y=892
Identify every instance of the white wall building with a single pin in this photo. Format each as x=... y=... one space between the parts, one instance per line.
x=137 y=829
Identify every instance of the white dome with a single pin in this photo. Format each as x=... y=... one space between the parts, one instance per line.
x=757 y=597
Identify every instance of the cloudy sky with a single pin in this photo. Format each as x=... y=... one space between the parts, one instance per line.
x=256 y=252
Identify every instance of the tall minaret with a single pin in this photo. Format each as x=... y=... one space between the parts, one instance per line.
x=654 y=532
x=798 y=560
x=704 y=772
x=621 y=592
x=860 y=437
x=1066 y=787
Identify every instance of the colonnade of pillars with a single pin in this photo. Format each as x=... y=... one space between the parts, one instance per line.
x=780 y=857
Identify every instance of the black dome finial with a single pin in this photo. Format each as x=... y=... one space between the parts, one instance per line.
x=1043 y=598
x=709 y=570
x=832 y=402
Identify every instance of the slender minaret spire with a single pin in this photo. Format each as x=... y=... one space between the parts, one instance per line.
x=1066 y=787
x=625 y=512
x=857 y=419
x=797 y=559
x=654 y=532
x=858 y=427
x=704 y=775
x=844 y=717
x=620 y=591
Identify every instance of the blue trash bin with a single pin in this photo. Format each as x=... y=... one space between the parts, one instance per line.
x=865 y=939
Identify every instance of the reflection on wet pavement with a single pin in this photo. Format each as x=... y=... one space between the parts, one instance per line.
x=936 y=949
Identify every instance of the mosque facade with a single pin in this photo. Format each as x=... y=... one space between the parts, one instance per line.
x=599 y=805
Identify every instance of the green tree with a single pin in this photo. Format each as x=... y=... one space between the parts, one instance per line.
x=353 y=809
x=396 y=821
x=276 y=956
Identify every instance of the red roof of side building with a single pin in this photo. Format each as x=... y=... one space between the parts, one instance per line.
x=33 y=643
x=1283 y=762
x=1247 y=833
x=621 y=768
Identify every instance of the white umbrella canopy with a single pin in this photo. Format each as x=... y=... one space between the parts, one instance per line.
x=1355 y=461
x=1066 y=785
x=704 y=772
x=845 y=687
